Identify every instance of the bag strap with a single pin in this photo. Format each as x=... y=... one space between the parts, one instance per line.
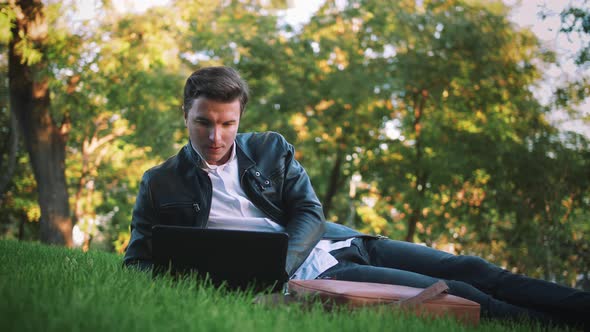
x=427 y=294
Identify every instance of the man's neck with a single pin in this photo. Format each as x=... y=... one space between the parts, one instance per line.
x=208 y=167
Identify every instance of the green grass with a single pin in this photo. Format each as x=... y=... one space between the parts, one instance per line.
x=47 y=288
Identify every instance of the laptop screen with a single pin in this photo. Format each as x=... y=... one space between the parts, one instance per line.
x=239 y=259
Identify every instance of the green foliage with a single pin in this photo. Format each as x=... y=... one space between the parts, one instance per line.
x=19 y=204
x=575 y=22
x=18 y=201
x=26 y=48
x=7 y=17
x=56 y=289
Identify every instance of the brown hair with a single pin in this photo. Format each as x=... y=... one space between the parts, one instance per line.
x=222 y=84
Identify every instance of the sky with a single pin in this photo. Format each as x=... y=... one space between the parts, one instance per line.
x=525 y=14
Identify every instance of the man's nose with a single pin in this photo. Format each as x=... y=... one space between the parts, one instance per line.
x=215 y=134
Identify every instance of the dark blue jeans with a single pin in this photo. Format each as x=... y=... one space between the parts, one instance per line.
x=500 y=293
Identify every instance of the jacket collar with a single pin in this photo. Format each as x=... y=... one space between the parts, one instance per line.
x=194 y=156
x=244 y=160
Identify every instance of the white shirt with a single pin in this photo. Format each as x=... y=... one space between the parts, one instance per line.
x=231 y=209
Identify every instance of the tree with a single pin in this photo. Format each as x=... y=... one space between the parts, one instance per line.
x=121 y=90
x=8 y=132
x=575 y=21
x=456 y=73
x=45 y=136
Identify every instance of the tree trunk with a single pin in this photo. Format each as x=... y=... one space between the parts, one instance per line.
x=45 y=141
x=334 y=184
x=12 y=152
x=420 y=186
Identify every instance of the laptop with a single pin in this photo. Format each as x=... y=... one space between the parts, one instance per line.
x=239 y=259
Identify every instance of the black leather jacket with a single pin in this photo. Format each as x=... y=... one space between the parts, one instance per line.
x=178 y=192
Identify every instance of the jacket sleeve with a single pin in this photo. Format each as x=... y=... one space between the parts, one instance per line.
x=139 y=250
x=306 y=221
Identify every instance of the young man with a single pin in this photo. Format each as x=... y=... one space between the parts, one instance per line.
x=222 y=179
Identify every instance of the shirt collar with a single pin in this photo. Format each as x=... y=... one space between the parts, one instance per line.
x=208 y=167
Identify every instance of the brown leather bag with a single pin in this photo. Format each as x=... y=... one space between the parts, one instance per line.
x=431 y=301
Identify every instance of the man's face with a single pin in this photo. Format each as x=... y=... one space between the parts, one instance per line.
x=212 y=128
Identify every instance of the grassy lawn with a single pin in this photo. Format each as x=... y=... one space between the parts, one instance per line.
x=46 y=288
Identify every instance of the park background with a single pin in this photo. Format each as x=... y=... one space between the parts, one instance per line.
x=437 y=122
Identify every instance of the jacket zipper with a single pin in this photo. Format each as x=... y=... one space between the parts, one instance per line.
x=181 y=205
x=195 y=206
